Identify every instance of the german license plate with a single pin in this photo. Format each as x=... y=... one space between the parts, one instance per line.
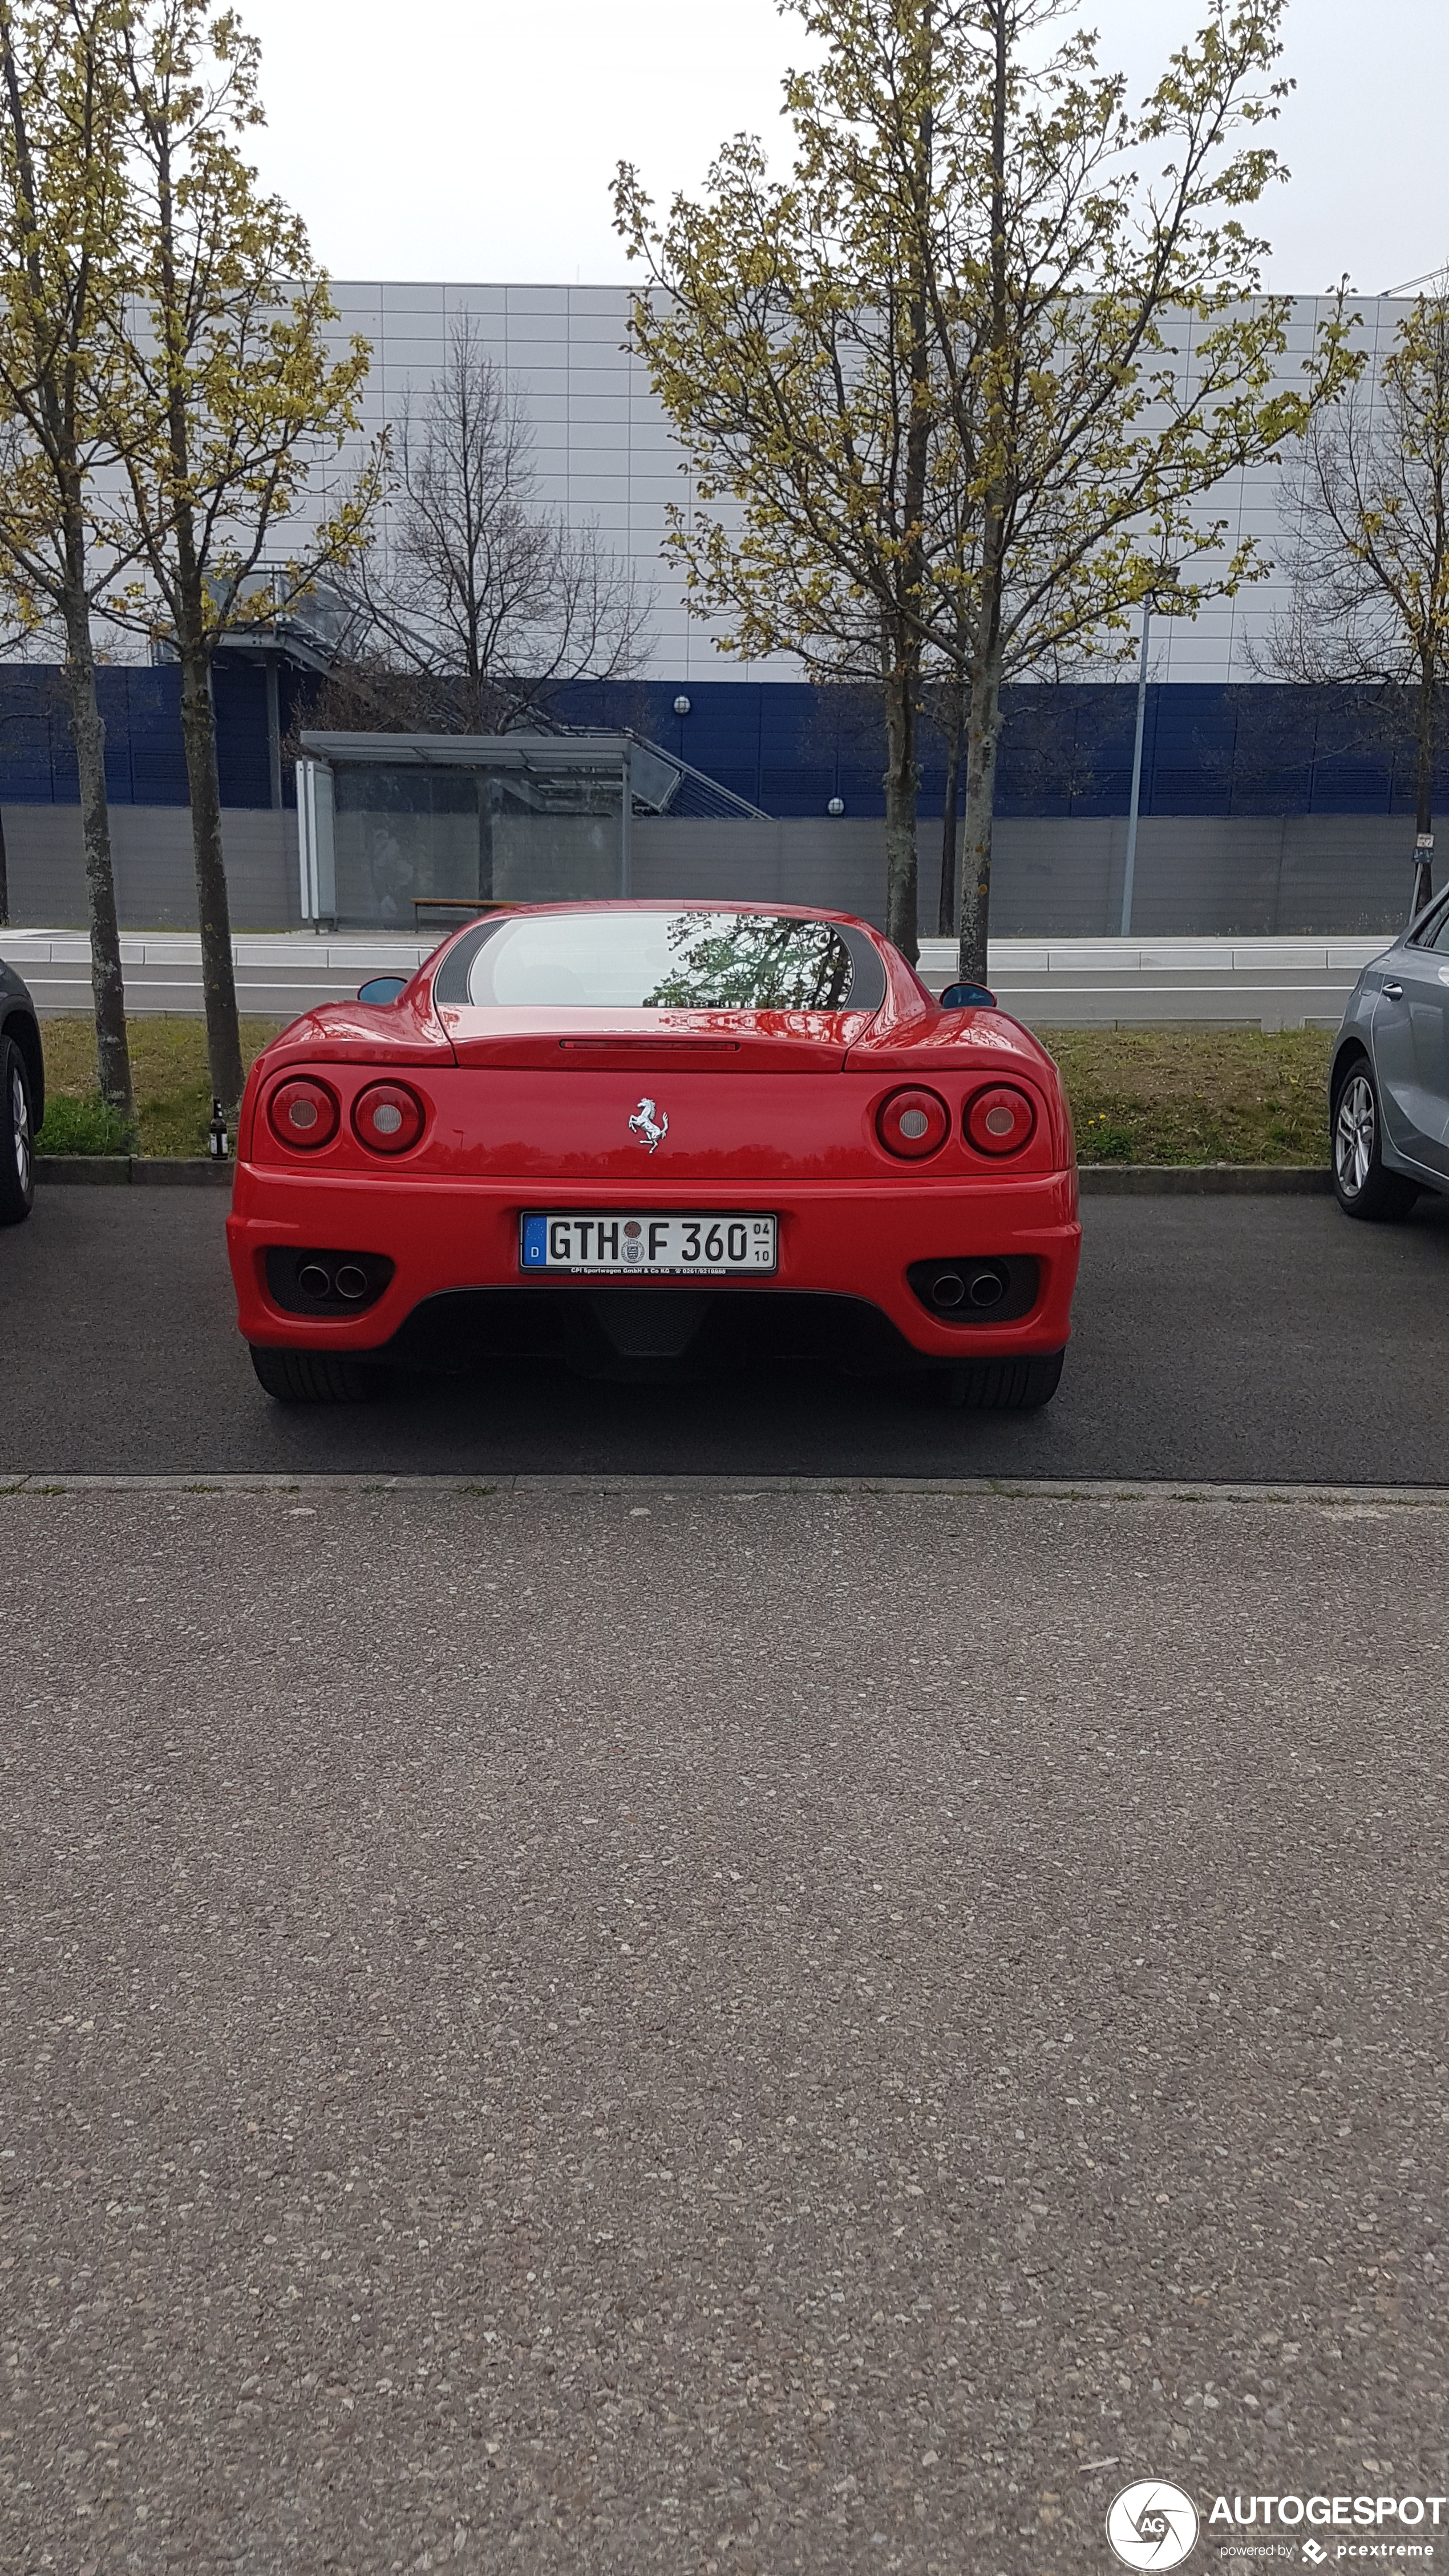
x=648 y=1246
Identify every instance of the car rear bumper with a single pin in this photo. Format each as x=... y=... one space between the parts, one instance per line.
x=456 y=1289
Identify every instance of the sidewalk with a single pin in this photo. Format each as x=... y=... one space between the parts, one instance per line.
x=1049 y=983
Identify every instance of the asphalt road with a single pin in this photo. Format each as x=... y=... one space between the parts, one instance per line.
x=797 y=2032
x=1232 y=1339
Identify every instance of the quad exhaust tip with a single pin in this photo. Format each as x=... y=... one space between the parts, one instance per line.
x=350 y=1281
x=986 y=1289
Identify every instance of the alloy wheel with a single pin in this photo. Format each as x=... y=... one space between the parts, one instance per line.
x=20 y=1118
x=1353 y=1134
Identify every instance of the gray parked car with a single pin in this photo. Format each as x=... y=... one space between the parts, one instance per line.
x=1389 y=1087
x=22 y=1095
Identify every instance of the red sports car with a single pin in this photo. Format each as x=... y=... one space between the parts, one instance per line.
x=650 y=1137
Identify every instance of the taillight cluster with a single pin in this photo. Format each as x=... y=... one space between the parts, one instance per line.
x=999 y=1120
x=304 y=1114
x=912 y=1123
x=387 y=1117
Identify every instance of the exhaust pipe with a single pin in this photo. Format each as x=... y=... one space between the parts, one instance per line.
x=984 y=1289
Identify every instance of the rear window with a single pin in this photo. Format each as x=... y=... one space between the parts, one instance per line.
x=681 y=961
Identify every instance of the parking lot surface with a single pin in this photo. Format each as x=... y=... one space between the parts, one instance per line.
x=739 y=2033
x=1234 y=1339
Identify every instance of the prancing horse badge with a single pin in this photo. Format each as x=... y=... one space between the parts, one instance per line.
x=650 y=1124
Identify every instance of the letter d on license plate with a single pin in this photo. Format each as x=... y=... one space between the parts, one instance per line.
x=642 y=1246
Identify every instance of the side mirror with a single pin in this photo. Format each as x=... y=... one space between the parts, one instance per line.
x=381 y=988
x=968 y=997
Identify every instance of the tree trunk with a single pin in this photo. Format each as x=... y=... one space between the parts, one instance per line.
x=950 y=822
x=113 y=1059
x=983 y=729
x=1423 y=796
x=901 y=786
x=983 y=717
x=218 y=976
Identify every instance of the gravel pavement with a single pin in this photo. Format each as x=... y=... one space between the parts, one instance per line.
x=700 y=2030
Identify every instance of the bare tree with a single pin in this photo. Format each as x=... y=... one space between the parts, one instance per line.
x=477 y=589
x=1366 y=513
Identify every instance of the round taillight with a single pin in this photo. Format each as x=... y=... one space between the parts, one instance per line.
x=303 y=1115
x=387 y=1118
x=1000 y=1121
x=912 y=1123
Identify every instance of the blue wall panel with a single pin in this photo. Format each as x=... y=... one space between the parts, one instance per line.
x=141 y=711
x=789 y=748
x=1067 y=750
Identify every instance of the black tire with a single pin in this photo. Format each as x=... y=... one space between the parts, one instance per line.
x=17 y=1136
x=1361 y=1185
x=317 y=1377
x=998 y=1386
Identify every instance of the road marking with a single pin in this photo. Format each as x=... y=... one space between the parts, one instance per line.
x=678 y=1487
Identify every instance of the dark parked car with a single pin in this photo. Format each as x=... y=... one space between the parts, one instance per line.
x=22 y=1095
x=1389 y=1089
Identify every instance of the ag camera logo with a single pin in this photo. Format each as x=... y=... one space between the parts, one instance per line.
x=1152 y=2525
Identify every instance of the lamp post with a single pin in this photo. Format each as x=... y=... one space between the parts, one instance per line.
x=1423 y=873
x=1129 y=868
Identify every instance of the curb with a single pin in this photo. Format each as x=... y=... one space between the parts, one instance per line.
x=1098 y=1180
x=149 y=1171
x=1204 y=1180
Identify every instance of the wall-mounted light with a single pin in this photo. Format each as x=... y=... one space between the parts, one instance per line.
x=836 y=805
x=681 y=706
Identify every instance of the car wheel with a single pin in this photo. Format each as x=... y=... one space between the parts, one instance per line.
x=317 y=1377
x=998 y=1386
x=17 y=1136
x=1361 y=1184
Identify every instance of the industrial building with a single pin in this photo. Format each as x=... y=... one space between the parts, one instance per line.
x=1264 y=808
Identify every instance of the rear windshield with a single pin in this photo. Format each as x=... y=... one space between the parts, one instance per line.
x=643 y=961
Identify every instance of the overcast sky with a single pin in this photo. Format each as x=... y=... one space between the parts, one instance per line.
x=475 y=139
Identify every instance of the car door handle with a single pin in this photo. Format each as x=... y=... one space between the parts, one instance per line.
x=1394 y=992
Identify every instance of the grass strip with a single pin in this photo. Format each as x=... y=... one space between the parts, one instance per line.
x=1196 y=1094
x=168 y=1070
x=1169 y=1095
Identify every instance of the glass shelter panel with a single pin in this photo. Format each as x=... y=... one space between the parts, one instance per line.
x=413 y=833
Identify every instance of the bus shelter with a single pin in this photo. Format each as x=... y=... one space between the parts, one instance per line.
x=399 y=831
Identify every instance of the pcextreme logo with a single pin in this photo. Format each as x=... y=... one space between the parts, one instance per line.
x=1155 y=2524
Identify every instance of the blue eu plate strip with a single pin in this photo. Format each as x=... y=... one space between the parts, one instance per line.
x=535 y=1242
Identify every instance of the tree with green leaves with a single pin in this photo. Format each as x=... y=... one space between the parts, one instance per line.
x=956 y=388
x=226 y=394
x=1366 y=551
x=787 y=337
x=1106 y=356
x=62 y=193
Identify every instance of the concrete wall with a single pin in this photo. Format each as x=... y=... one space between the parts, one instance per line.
x=152 y=858
x=1333 y=874
x=1336 y=874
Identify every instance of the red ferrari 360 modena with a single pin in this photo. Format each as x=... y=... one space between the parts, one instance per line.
x=649 y=1137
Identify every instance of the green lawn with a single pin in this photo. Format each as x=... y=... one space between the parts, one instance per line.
x=1190 y=1095
x=1176 y=1095
x=168 y=1068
